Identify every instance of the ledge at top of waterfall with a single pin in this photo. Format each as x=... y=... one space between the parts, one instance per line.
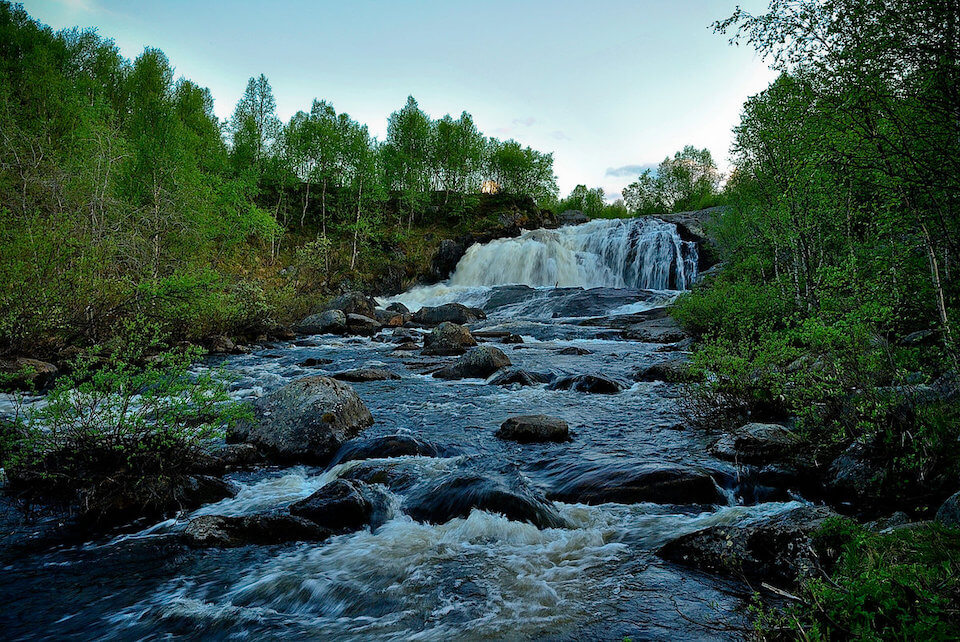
x=632 y=254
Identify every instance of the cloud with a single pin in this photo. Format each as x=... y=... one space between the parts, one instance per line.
x=612 y=196
x=629 y=171
x=78 y=5
x=558 y=134
x=526 y=122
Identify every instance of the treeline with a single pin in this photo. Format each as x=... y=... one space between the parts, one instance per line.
x=123 y=196
x=838 y=303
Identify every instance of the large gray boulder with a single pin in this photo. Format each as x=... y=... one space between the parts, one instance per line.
x=305 y=421
x=757 y=443
x=594 y=384
x=780 y=548
x=452 y=312
x=329 y=322
x=448 y=339
x=534 y=428
x=479 y=362
x=362 y=325
x=629 y=484
x=352 y=303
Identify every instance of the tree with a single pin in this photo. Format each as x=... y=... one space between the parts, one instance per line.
x=407 y=153
x=254 y=126
x=687 y=181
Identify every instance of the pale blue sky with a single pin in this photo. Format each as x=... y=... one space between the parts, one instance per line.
x=605 y=85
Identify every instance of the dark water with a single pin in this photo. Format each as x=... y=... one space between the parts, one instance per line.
x=478 y=578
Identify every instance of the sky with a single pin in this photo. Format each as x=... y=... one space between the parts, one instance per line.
x=610 y=87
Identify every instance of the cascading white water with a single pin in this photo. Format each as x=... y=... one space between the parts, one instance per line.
x=618 y=253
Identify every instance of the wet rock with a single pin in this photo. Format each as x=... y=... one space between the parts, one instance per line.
x=361 y=375
x=220 y=344
x=352 y=303
x=399 y=308
x=674 y=371
x=628 y=484
x=757 y=443
x=949 y=512
x=328 y=322
x=197 y=490
x=399 y=475
x=479 y=362
x=272 y=528
x=855 y=476
x=778 y=548
x=445 y=260
x=452 y=312
x=448 y=339
x=533 y=429
x=362 y=325
x=512 y=338
x=344 y=505
x=456 y=496
x=305 y=421
x=572 y=217
x=896 y=520
x=594 y=384
x=390 y=319
x=407 y=346
x=314 y=362
x=510 y=376
x=574 y=350
x=234 y=456
x=383 y=447
x=663 y=330
x=25 y=373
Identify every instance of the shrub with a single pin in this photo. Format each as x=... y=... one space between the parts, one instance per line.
x=112 y=436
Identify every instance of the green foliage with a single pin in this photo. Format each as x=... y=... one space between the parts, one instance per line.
x=902 y=585
x=688 y=181
x=113 y=435
x=592 y=202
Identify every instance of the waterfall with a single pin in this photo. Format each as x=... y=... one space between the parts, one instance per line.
x=640 y=253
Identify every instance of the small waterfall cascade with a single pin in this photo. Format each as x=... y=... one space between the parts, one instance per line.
x=641 y=253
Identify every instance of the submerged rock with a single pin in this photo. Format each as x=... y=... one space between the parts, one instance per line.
x=314 y=362
x=456 y=496
x=757 y=443
x=534 y=428
x=779 y=547
x=452 y=312
x=305 y=421
x=588 y=383
x=361 y=375
x=383 y=447
x=479 y=362
x=448 y=339
x=329 y=322
x=344 y=505
x=269 y=528
x=634 y=484
x=510 y=376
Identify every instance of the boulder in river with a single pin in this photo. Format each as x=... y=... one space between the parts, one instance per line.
x=512 y=338
x=672 y=370
x=28 y=373
x=663 y=330
x=269 y=528
x=534 y=428
x=390 y=319
x=398 y=307
x=448 y=339
x=588 y=383
x=399 y=445
x=479 y=362
x=574 y=350
x=352 y=303
x=455 y=496
x=344 y=505
x=949 y=512
x=362 y=375
x=328 y=322
x=452 y=312
x=305 y=421
x=362 y=325
x=510 y=376
x=757 y=443
x=780 y=547
x=631 y=484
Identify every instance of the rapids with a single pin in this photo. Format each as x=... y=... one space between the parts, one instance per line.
x=477 y=577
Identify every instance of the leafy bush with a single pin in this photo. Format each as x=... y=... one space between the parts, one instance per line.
x=112 y=436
